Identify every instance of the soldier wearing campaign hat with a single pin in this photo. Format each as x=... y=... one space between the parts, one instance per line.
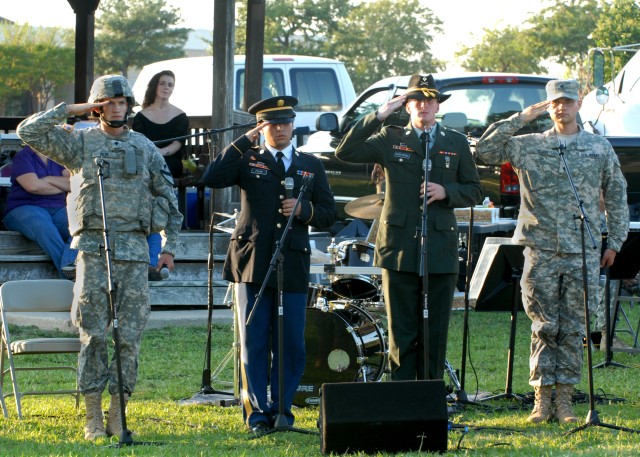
x=552 y=285
x=261 y=173
x=452 y=182
x=423 y=87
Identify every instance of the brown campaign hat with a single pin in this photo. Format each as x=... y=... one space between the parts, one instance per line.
x=422 y=87
x=276 y=110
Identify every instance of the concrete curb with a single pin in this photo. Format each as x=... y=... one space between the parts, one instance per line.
x=158 y=319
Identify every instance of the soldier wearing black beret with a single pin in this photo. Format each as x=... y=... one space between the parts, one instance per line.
x=453 y=182
x=260 y=172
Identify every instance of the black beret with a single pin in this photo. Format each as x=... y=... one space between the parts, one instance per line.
x=276 y=110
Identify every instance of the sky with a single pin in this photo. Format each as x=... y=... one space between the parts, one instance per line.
x=462 y=25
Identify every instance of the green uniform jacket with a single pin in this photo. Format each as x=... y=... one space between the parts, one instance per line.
x=399 y=152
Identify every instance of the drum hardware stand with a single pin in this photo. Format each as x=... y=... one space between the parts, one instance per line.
x=592 y=416
x=207 y=394
x=281 y=424
x=125 y=438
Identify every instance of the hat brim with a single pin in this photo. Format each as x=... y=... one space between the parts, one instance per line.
x=417 y=95
x=562 y=95
x=279 y=120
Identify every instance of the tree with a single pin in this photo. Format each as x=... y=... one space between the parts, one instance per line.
x=133 y=33
x=619 y=25
x=505 y=50
x=562 y=33
x=36 y=61
x=384 y=38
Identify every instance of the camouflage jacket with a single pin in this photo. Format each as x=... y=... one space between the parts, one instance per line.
x=549 y=213
x=136 y=177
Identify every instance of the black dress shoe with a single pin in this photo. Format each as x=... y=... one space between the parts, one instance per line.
x=259 y=429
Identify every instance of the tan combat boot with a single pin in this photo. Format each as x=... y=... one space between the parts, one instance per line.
x=114 y=421
x=564 y=414
x=542 y=406
x=95 y=420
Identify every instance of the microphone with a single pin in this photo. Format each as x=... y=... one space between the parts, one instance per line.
x=424 y=164
x=288 y=187
x=164 y=272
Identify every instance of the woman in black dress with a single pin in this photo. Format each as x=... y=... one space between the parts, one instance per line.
x=160 y=120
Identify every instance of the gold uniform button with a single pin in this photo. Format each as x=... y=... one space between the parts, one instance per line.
x=281 y=197
x=279 y=225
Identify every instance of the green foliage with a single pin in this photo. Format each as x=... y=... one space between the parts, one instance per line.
x=350 y=31
x=619 y=25
x=561 y=33
x=133 y=33
x=35 y=62
x=505 y=50
x=171 y=366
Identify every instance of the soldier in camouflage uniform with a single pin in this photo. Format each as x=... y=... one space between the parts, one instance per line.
x=139 y=199
x=552 y=286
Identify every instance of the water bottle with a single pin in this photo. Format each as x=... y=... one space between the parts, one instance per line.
x=487 y=203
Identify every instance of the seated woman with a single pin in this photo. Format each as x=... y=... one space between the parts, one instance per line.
x=37 y=207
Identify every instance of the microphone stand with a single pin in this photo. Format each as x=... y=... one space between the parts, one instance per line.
x=423 y=263
x=207 y=394
x=281 y=424
x=125 y=438
x=592 y=416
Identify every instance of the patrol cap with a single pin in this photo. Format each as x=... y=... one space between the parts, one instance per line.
x=563 y=88
x=276 y=110
x=423 y=87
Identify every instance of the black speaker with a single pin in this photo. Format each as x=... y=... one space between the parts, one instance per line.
x=390 y=416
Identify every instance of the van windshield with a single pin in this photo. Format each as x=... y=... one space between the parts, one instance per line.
x=272 y=85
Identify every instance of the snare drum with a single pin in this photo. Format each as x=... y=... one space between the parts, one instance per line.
x=354 y=253
x=343 y=344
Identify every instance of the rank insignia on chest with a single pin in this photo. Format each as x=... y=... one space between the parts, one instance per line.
x=402 y=147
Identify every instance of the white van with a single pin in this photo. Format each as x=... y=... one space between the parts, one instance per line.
x=319 y=84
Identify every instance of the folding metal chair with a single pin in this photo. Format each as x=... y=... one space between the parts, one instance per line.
x=43 y=296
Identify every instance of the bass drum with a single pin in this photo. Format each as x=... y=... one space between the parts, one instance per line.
x=344 y=344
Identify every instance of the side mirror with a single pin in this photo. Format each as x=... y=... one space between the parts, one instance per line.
x=597 y=69
x=602 y=95
x=327 y=122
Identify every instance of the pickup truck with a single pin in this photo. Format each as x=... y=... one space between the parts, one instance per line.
x=477 y=100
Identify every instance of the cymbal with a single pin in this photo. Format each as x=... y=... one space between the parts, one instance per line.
x=223 y=229
x=367 y=207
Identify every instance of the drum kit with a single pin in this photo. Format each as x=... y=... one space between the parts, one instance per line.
x=344 y=335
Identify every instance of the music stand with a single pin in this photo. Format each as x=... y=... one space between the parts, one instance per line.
x=625 y=266
x=495 y=286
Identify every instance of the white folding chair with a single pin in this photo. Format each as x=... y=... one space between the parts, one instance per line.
x=34 y=296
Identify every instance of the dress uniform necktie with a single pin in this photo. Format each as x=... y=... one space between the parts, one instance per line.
x=425 y=138
x=280 y=162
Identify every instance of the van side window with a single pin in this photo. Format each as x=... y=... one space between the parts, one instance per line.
x=272 y=85
x=316 y=89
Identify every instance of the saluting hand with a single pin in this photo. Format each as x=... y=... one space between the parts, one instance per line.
x=531 y=112
x=78 y=109
x=254 y=133
x=388 y=107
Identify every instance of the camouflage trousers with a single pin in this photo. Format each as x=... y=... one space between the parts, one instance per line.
x=91 y=313
x=553 y=298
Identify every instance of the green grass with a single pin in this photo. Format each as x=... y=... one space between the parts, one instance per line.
x=171 y=365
